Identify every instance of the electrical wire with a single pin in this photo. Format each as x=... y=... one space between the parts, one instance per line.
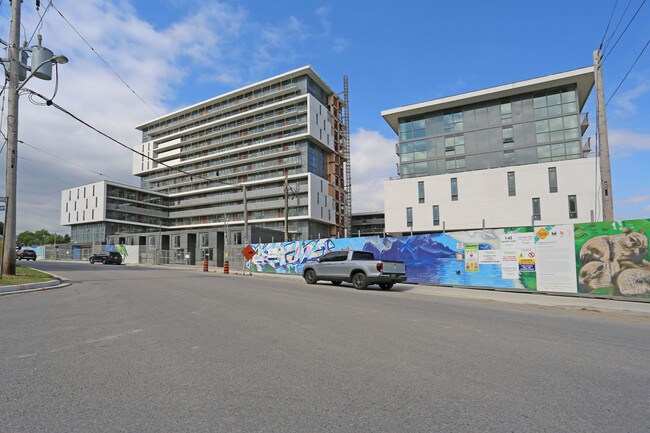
x=49 y=102
x=609 y=39
x=608 y=23
x=70 y=162
x=628 y=72
x=624 y=30
x=39 y=26
x=104 y=61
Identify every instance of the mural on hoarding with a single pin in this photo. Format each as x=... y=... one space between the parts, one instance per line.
x=431 y=258
x=612 y=258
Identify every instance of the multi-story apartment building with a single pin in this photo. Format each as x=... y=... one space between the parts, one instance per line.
x=270 y=146
x=511 y=155
x=368 y=224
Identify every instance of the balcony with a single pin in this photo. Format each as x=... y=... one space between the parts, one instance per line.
x=586 y=146
x=397 y=149
x=584 y=122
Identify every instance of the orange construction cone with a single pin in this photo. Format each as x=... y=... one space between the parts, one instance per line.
x=205 y=265
x=226 y=269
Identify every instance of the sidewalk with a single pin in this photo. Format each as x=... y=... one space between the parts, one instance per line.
x=563 y=301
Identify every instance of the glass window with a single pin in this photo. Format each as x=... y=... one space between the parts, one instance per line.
x=568 y=96
x=454 y=189
x=570 y=122
x=543 y=153
x=421 y=192
x=573 y=206
x=573 y=149
x=506 y=112
x=511 y=184
x=556 y=124
x=552 y=179
x=508 y=137
x=436 y=215
x=537 y=211
x=409 y=217
x=509 y=157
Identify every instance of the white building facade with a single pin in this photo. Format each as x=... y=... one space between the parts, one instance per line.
x=201 y=166
x=507 y=156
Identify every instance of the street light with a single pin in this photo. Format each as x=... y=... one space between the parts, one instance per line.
x=59 y=59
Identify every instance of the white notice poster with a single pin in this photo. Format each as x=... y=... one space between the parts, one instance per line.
x=509 y=264
x=556 y=259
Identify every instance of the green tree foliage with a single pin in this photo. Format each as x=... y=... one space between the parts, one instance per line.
x=40 y=237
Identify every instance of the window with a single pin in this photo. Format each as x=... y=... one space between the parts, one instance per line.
x=205 y=239
x=511 y=184
x=455 y=164
x=506 y=112
x=573 y=206
x=509 y=157
x=537 y=212
x=436 y=215
x=455 y=145
x=421 y=192
x=176 y=241
x=453 y=122
x=454 y=189
x=412 y=129
x=508 y=137
x=552 y=179
x=409 y=217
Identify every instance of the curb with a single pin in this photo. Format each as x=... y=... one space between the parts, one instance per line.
x=34 y=287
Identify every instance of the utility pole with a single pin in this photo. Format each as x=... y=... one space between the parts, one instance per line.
x=9 y=244
x=286 y=207
x=603 y=141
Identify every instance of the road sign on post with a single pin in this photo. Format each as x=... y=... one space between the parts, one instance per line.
x=248 y=252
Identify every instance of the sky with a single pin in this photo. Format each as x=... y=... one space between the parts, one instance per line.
x=134 y=60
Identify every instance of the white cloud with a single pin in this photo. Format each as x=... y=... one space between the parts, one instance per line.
x=373 y=162
x=625 y=103
x=622 y=142
x=212 y=49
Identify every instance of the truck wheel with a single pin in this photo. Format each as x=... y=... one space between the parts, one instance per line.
x=92 y=261
x=360 y=281
x=310 y=276
x=386 y=286
x=336 y=282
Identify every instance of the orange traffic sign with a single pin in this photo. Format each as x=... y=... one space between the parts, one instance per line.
x=248 y=252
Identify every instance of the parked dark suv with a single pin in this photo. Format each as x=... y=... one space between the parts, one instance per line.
x=26 y=254
x=107 y=258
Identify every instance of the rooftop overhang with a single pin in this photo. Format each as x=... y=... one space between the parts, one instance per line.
x=305 y=70
x=583 y=78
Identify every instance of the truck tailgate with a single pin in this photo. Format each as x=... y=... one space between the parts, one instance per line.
x=393 y=267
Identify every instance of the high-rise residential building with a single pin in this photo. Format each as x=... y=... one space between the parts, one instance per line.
x=511 y=155
x=267 y=147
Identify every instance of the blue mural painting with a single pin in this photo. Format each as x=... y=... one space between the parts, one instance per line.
x=431 y=258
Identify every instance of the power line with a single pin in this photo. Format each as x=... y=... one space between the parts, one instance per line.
x=39 y=26
x=49 y=102
x=624 y=30
x=104 y=61
x=628 y=72
x=608 y=23
x=70 y=162
x=609 y=39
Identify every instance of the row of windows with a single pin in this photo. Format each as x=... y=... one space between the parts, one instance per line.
x=512 y=190
x=572 y=202
x=504 y=158
x=223 y=104
x=522 y=108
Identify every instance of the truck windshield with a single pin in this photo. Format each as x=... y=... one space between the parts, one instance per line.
x=362 y=255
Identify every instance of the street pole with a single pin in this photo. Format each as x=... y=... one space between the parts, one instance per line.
x=286 y=207
x=9 y=244
x=603 y=141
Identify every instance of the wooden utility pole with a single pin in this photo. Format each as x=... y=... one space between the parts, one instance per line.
x=603 y=141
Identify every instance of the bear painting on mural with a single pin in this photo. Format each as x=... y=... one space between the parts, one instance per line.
x=616 y=260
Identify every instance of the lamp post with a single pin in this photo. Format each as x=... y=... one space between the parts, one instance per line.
x=13 y=87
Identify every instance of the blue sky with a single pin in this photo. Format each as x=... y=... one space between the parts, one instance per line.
x=173 y=53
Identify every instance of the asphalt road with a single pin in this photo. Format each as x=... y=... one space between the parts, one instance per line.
x=159 y=350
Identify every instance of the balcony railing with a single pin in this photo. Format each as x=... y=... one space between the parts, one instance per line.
x=584 y=122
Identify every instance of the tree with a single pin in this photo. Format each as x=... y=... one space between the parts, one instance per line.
x=40 y=237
